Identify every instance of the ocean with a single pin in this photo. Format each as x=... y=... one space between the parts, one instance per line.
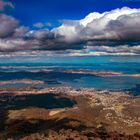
x=52 y=72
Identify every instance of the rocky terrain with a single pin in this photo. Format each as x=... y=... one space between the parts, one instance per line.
x=65 y=113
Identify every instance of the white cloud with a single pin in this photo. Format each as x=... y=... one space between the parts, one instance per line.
x=4 y=4
x=39 y=25
x=116 y=24
x=116 y=31
x=11 y=44
x=118 y=49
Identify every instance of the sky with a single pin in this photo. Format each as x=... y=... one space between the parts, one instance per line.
x=70 y=26
x=53 y=11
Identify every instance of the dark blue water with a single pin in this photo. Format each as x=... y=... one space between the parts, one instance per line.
x=17 y=68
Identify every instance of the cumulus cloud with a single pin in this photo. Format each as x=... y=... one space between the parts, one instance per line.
x=8 y=25
x=118 y=49
x=20 y=32
x=40 y=25
x=12 y=44
x=115 y=31
x=118 y=24
x=4 y=4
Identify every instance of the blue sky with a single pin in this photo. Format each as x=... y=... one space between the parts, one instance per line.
x=51 y=11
